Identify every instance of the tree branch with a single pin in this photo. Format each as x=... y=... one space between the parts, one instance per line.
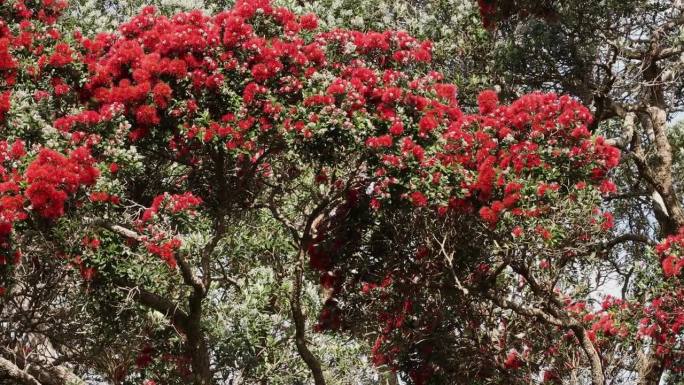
x=10 y=371
x=300 y=322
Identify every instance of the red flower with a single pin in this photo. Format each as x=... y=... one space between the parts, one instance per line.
x=165 y=251
x=513 y=360
x=309 y=22
x=146 y=115
x=608 y=187
x=487 y=101
x=543 y=232
x=488 y=215
x=18 y=150
x=672 y=266
x=517 y=231
x=608 y=221
x=162 y=94
x=418 y=152
x=99 y=196
x=61 y=56
x=87 y=273
x=427 y=124
x=4 y=104
x=418 y=199
x=260 y=72
x=397 y=128
x=380 y=141
x=52 y=178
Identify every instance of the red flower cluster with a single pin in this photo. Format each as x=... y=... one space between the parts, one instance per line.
x=101 y=196
x=11 y=198
x=25 y=34
x=170 y=77
x=671 y=252
x=487 y=101
x=4 y=104
x=52 y=178
x=492 y=165
x=49 y=180
x=165 y=250
x=663 y=321
x=173 y=203
x=513 y=360
x=158 y=243
x=191 y=56
x=492 y=154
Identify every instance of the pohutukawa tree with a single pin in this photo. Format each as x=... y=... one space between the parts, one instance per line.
x=436 y=233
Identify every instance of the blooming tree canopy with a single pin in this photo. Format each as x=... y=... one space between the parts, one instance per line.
x=435 y=232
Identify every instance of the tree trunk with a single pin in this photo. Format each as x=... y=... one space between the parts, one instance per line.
x=650 y=369
x=300 y=323
x=197 y=345
x=667 y=206
x=200 y=362
x=597 y=376
x=189 y=324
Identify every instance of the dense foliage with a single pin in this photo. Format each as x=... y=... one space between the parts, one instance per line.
x=249 y=194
